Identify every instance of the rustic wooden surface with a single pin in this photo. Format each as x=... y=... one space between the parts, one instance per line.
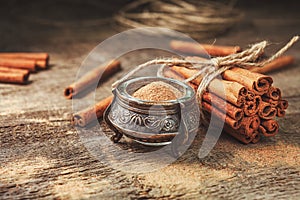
x=41 y=155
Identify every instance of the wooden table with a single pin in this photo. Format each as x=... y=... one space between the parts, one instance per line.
x=42 y=156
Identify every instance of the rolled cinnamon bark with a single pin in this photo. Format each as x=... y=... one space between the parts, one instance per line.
x=234 y=124
x=249 y=125
x=19 y=63
x=272 y=102
x=91 y=78
x=26 y=55
x=242 y=138
x=233 y=91
x=281 y=107
x=283 y=104
x=274 y=93
x=41 y=58
x=276 y=64
x=196 y=48
x=14 y=70
x=269 y=128
x=266 y=111
x=251 y=106
x=259 y=83
x=255 y=137
x=280 y=112
x=225 y=107
x=13 y=77
x=91 y=114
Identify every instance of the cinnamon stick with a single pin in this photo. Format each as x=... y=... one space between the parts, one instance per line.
x=281 y=107
x=25 y=55
x=266 y=111
x=91 y=77
x=249 y=125
x=92 y=113
x=242 y=138
x=259 y=83
x=269 y=128
x=255 y=137
x=276 y=64
x=200 y=49
x=41 y=58
x=274 y=93
x=13 y=77
x=234 y=124
x=251 y=105
x=283 y=104
x=14 y=70
x=225 y=107
x=19 y=63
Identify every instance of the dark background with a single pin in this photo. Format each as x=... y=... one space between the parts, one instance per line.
x=42 y=155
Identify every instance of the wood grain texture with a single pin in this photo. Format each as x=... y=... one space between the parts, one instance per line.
x=42 y=155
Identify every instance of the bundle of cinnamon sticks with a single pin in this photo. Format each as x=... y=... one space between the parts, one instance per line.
x=15 y=67
x=244 y=99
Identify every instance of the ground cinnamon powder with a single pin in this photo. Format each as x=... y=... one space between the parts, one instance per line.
x=157 y=91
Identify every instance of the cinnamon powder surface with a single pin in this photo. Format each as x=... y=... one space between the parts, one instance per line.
x=157 y=91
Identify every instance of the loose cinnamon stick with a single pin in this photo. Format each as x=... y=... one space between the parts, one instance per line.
x=14 y=70
x=259 y=83
x=266 y=111
x=225 y=107
x=234 y=124
x=13 y=77
x=41 y=59
x=91 y=114
x=233 y=91
x=276 y=64
x=269 y=128
x=19 y=63
x=196 y=48
x=25 y=55
x=91 y=77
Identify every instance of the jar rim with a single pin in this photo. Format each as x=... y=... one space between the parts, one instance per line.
x=122 y=90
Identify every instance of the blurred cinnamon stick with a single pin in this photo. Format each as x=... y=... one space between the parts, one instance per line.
x=41 y=59
x=92 y=113
x=20 y=77
x=14 y=70
x=19 y=63
x=200 y=49
x=91 y=78
x=276 y=64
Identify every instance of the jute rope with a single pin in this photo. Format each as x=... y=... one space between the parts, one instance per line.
x=210 y=69
x=209 y=17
